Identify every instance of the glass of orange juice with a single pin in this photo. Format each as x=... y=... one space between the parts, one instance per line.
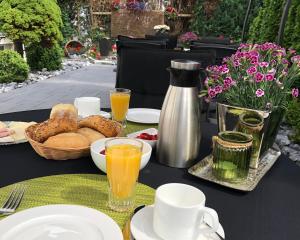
x=123 y=159
x=119 y=99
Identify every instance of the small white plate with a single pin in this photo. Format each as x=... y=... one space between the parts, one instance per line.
x=142 y=227
x=105 y=114
x=143 y=115
x=59 y=222
x=151 y=131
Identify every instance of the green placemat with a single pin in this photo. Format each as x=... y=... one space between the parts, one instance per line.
x=134 y=127
x=80 y=189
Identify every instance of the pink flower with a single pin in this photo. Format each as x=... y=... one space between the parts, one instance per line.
x=259 y=77
x=236 y=63
x=211 y=92
x=259 y=92
x=239 y=54
x=206 y=82
x=292 y=51
x=228 y=81
x=296 y=59
x=254 y=53
x=224 y=69
x=269 y=76
x=254 y=59
x=295 y=92
x=252 y=70
x=264 y=64
x=218 y=89
x=284 y=61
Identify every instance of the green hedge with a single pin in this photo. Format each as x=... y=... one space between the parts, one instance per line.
x=293 y=118
x=39 y=57
x=265 y=26
x=227 y=19
x=13 y=68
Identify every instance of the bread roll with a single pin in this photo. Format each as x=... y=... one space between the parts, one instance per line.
x=90 y=134
x=53 y=127
x=64 y=111
x=63 y=118
x=101 y=124
x=67 y=140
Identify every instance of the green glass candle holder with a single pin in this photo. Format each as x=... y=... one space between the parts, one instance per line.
x=231 y=156
x=252 y=123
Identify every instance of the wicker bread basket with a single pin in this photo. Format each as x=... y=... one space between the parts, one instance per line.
x=59 y=153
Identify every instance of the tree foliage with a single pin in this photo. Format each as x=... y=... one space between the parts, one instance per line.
x=13 y=68
x=227 y=19
x=31 y=21
x=265 y=26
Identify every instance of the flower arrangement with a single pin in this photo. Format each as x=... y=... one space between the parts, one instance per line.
x=161 y=28
x=135 y=5
x=171 y=13
x=257 y=76
x=186 y=38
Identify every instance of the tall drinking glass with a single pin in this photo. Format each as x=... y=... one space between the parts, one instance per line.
x=123 y=158
x=119 y=99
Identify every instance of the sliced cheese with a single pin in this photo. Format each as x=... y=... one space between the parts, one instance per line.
x=2 y=125
x=8 y=139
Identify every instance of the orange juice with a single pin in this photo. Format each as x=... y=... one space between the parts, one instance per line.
x=119 y=105
x=123 y=165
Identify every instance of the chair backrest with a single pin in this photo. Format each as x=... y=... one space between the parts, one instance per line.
x=221 y=50
x=214 y=40
x=171 y=40
x=144 y=71
x=124 y=41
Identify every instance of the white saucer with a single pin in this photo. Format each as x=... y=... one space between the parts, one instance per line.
x=101 y=113
x=59 y=222
x=143 y=115
x=142 y=227
x=105 y=114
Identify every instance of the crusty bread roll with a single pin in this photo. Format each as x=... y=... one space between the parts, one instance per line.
x=67 y=140
x=91 y=134
x=64 y=111
x=101 y=124
x=53 y=127
x=63 y=118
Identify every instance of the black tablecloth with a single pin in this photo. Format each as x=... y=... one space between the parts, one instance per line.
x=270 y=212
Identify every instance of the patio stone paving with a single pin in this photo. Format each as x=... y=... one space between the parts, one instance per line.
x=93 y=80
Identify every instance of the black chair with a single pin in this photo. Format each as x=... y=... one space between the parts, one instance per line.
x=221 y=50
x=171 y=40
x=144 y=71
x=124 y=41
x=214 y=40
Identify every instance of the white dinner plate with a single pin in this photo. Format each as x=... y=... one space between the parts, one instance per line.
x=143 y=115
x=59 y=222
x=142 y=227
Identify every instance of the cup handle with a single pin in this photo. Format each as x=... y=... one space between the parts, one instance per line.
x=214 y=220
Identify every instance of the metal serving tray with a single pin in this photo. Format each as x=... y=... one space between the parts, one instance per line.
x=203 y=169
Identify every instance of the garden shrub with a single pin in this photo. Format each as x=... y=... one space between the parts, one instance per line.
x=227 y=19
x=13 y=68
x=39 y=57
x=265 y=27
x=293 y=119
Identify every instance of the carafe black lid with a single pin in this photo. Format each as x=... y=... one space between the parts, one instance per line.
x=185 y=73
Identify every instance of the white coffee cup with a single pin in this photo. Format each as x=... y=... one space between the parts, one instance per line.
x=179 y=210
x=87 y=106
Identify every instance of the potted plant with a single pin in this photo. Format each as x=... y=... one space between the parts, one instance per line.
x=257 y=78
x=186 y=39
x=99 y=36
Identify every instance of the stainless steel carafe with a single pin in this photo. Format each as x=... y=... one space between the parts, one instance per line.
x=179 y=124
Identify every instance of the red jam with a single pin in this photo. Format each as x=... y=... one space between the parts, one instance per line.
x=147 y=136
x=102 y=152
